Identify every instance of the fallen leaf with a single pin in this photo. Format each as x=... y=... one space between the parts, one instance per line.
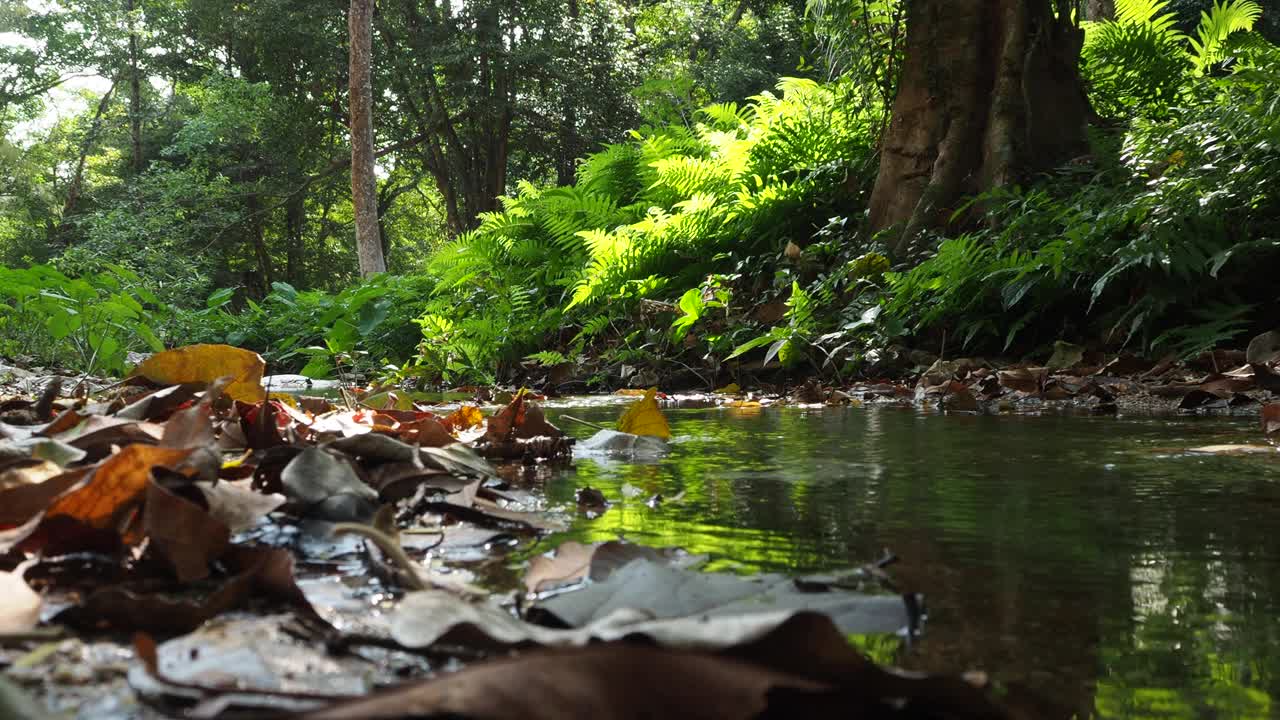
x=117 y=485
x=327 y=487
x=1235 y=450
x=730 y=389
x=1271 y=419
x=644 y=417
x=183 y=533
x=464 y=418
x=612 y=442
x=206 y=363
x=802 y=667
x=19 y=604
x=236 y=504
x=661 y=591
x=1065 y=355
x=1264 y=349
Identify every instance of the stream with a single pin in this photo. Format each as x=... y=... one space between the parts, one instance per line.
x=1090 y=562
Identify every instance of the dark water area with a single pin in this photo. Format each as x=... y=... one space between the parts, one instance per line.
x=1092 y=562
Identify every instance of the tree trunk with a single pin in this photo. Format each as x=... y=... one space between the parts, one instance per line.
x=363 y=182
x=990 y=94
x=567 y=162
x=135 y=92
x=1098 y=10
x=258 y=238
x=77 y=179
x=295 y=220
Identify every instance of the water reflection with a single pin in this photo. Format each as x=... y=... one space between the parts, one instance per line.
x=1089 y=559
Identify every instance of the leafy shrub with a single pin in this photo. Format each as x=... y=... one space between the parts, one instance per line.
x=1171 y=249
x=647 y=220
x=88 y=323
x=366 y=326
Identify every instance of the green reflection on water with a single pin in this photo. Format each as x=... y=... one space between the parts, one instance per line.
x=1090 y=559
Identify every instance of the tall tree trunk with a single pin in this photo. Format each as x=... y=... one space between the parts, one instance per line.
x=567 y=162
x=258 y=237
x=295 y=220
x=135 y=91
x=77 y=179
x=990 y=93
x=364 y=195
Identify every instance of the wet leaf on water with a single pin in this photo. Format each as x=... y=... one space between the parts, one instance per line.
x=206 y=363
x=663 y=591
x=644 y=417
x=591 y=499
x=612 y=442
x=572 y=562
x=1235 y=450
x=1271 y=419
x=521 y=419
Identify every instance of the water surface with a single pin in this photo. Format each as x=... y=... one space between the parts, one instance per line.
x=1092 y=560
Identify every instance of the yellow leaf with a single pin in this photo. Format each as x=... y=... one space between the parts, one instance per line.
x=644 y=417
x=206 y=363
x=730 y=389
x=464 y=418
x=630 y=392
x=286 y=398
x=745 y=404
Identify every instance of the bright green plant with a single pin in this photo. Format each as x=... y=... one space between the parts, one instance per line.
x=89 y=323
x=1139 y=63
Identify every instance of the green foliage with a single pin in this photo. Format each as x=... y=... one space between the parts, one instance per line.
x=647 y=220
x=1140 y=62
x=88 y=323
x=1167 y=249
x=365 y=327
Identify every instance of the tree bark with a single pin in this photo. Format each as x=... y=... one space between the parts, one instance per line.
x=364 y=195
x=990 y=94
x=567 y=162
x=1097 y=10
x=135 y=92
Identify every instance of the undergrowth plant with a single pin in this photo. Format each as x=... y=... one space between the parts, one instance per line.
x=88 y=323
x=1171 y=251
x=647 y=220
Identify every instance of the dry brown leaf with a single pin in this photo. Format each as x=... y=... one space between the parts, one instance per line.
x=183 y=533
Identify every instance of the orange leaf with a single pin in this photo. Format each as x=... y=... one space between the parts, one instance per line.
x=206 y=363
x=644 y=417
x=117 y=484
x=464 y=418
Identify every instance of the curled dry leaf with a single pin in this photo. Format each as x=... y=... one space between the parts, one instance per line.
x=183 y=533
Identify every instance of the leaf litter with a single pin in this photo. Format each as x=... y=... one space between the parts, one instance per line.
x=174 y=511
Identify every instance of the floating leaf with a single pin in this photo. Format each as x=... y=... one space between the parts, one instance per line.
x=206 y=363
x=644 y=417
